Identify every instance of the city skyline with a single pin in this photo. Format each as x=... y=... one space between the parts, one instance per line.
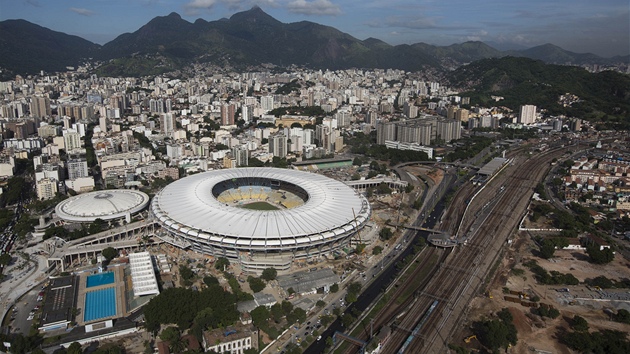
x=579 y=26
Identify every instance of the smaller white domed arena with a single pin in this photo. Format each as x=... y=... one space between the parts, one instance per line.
x=105 y=205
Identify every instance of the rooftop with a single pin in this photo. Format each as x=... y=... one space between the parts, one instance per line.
x=143 y=274
x=190 y=206
x=303 y=282
x=105 y=205
x=493 y=166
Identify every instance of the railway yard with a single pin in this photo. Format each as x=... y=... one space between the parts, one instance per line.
x=447 y=280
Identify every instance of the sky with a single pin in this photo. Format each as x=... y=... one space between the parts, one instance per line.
x=601 y=27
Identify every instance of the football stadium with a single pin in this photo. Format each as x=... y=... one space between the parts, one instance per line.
x=260 y=217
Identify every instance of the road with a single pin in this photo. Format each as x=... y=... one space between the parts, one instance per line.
x=389 y=272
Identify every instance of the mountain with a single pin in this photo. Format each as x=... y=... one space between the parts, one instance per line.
x=460 y=53
x=254 y=37
x=505 y=46
x=247 y=38
x=550 y=53
x=602 y=95
x=28 y=48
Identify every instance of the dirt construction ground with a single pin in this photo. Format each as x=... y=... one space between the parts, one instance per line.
x=540 y=334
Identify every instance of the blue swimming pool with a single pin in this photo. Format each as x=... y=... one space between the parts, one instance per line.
x=99 y=304
x=99 y=279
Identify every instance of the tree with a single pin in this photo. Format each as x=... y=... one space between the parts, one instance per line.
x=75 y=348
x=334 y=288
x=177 y=345
x=497 y=333
x=210 y=280
x=186 y=273
x=300 y=314
x=385 y=233
x=347 y=320
x=221 y=263
x=598 y=256
x=276 y=312
x=260 y=315
x=109 y=253
x=287 y=307
x=383 y=188
x=5 y=259
x=291 y=291
x=320 y=303
x=377 y=250
x=170 y=334
x=269 y=274
x=354 y=289
x=256 y=284
x=547 y=249
x=623 y=316
x=579 y=324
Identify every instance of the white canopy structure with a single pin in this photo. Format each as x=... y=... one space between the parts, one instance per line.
x=143 y=277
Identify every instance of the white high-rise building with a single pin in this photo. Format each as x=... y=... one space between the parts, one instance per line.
x=77 y=168
x=102 y=123
x=528 y=114
x=278 y=145
x=167 y=124
x=71 y=140
x=266 y=103
x=46 y=188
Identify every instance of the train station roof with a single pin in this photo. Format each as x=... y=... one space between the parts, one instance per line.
x=493 y=166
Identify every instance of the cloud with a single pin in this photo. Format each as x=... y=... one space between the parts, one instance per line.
x=405 y=22
x=316 y=7
x=477 y=36
x=418 y=23
x=81 y=11
x=195 y=6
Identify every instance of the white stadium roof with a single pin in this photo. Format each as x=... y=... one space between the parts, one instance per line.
x=189 y=206
x=106 y=205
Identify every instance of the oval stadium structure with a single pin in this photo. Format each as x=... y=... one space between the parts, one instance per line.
x=260 y=217
x=106 y=205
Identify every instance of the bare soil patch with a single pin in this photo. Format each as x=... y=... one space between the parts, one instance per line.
x=539 y=333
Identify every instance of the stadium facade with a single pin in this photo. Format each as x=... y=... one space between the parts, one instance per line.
x=227 y=213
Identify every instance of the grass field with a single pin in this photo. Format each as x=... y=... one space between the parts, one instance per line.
x=260 y=206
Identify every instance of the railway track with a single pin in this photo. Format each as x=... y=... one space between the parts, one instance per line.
x=464 y=270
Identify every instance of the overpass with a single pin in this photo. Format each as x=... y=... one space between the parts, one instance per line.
x=457 y=164
x=437 y=238
x=348 y=338
x=130 y=237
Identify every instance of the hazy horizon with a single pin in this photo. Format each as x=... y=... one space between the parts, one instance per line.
x=579 y=26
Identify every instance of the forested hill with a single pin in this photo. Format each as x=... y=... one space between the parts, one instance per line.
x=603 y=96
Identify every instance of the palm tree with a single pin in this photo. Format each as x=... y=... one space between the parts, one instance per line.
x=178 y=345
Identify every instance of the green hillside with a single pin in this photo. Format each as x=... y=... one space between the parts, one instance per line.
x=604 y=96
